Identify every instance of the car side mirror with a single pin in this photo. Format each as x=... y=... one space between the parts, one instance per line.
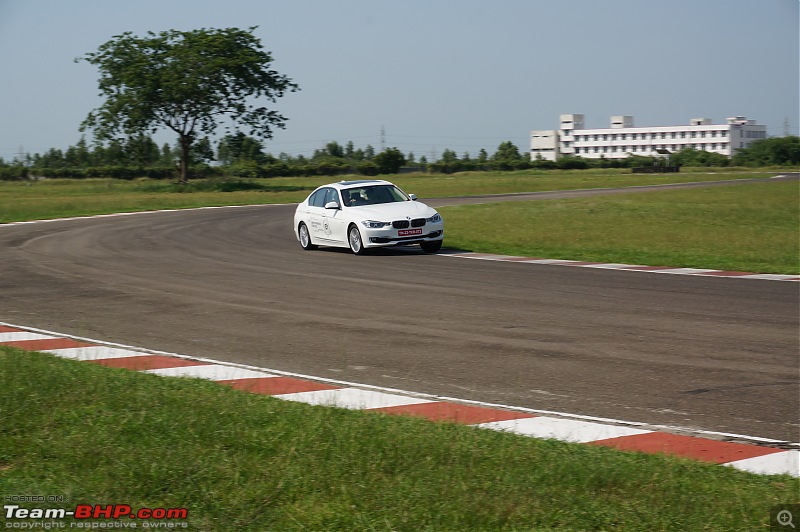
x=413 y=197
x=331 y=205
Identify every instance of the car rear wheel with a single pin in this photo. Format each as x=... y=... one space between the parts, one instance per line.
x=431 y=247
x=305 y=237
x=354 y=239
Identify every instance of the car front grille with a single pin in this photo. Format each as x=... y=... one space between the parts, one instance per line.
x=403 y=224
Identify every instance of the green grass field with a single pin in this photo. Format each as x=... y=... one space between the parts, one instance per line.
x=240 y=461
x=750 y=227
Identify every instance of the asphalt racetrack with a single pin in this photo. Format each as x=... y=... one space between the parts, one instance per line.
x=715 y=354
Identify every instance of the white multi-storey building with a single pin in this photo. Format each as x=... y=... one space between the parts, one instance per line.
x=622 y=139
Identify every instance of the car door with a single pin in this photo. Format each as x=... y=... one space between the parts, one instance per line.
x=316 y=207
x=334 y=224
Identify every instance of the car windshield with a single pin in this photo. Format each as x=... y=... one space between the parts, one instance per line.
x=372 y=195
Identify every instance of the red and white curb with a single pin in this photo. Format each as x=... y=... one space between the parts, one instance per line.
x=762 y=459
x=627 y=267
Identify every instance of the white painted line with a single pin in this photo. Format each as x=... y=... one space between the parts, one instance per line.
x=562 y=429
x=683 y=271
x=623 y=267
x=117 y=214
x=612 y=266
x=213 y=372
x=784 y=463
x=95 y=352
x=488 y=257
x=771 y=277
x=352 y=398
x=550 y=261
x=21 y=336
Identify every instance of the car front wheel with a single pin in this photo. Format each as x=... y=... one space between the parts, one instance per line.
x=431 y=247
x=305 y=238
x=354 y=238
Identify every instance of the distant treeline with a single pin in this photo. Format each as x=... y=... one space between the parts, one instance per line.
x=243 y=156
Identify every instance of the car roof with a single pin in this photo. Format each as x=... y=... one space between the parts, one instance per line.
x=347 y=184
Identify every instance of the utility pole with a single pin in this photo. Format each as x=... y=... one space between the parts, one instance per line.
x=20 y=155
x=383 y=138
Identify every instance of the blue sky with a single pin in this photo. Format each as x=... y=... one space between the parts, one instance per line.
x=432 y=74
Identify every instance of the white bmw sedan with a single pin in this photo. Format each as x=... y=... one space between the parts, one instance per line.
x=366 y=214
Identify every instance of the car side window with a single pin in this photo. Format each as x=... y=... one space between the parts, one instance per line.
x=331 y=196
x=317 y=199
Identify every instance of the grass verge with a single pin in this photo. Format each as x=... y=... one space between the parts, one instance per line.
x=241 y=461
x=748 y=227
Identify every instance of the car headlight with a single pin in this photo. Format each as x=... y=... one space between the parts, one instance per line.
x=436 y=218
x=372 y=224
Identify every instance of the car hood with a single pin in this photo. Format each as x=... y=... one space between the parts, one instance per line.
x=387 y=212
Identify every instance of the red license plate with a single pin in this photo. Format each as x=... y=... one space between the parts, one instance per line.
x=409 y=232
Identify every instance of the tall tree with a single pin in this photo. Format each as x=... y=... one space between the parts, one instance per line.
x=771 y=151
x=507 y=151
x=78 y=156
x=186 y=81
x=141 y=151
x=389 y=161
x=240 y=147
x=507 y=157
